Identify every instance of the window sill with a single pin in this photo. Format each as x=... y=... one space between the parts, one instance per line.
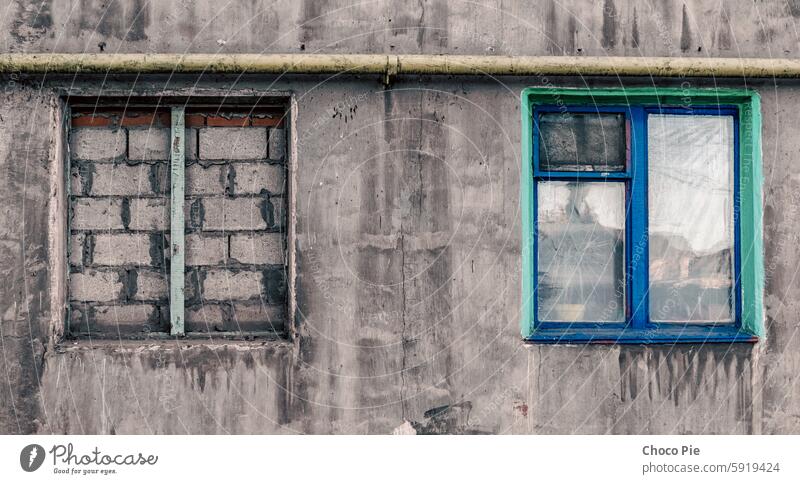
x=160 y=337
x=669 y=335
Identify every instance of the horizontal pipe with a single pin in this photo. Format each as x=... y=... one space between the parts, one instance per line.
x=389 y=65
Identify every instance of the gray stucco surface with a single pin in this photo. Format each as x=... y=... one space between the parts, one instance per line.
x=408 y=233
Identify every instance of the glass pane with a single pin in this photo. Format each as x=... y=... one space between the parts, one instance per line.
x=690 y=193
x=582 y=142
x=581 y=251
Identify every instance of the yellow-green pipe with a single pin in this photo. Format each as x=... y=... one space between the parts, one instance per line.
x=399 y=64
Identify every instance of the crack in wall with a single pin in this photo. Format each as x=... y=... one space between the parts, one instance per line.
x=403 y=320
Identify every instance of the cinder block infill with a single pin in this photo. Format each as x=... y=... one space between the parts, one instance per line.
x=235 y=225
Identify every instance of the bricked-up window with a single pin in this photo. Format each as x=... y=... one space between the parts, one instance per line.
x=120 y=253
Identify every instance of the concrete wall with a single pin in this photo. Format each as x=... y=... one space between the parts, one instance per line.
x=408 y=234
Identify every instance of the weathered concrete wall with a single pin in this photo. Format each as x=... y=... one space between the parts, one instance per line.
x=408 y=237
x=526 y=27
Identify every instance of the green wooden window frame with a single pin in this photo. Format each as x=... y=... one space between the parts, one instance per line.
x=747 y=103
x=177 y=223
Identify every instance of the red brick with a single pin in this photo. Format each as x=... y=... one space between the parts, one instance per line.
x=234 y=121
x=92 y=121
x=194 y=120
x=146 y=119
x=269 y=121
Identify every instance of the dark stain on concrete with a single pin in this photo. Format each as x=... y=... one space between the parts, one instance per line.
x=673 y=372
x=550 y=29
x=204 y=359
x=197 y=214
x=227 y=178
x=452 y=419
x=25 y=277
x=43 y=18
x=377 y=358
x=139 y=21
x=302 y=387
x=88 y=250
x=158 y=246
x=765 y=34
x=421 y=26
x=33 y=20
x=433 y=26
x=193 y=282
x=158 y=177
x=401 y=22
x=283 y=396
x=311 y=21
x=274 y=286
x=125 y=210
x=189 y=22
x=724 y=33
x=411 y=190
x=425 y=290
x=609 y=39
x=130 y=284
x=87 y=177
x=20 y=405
x=389 y=133
x=686 y=32
x=267 y=211
x=793 y=7
x=635 y=30
x=112 y=19
x=572 y=33
x=378 y=304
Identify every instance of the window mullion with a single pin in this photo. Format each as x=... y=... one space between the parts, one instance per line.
x=177 y=170
x=638 y=270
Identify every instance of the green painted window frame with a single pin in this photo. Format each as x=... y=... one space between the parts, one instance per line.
x=748 y=104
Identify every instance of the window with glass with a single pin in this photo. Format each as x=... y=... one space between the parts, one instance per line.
x=642 y=216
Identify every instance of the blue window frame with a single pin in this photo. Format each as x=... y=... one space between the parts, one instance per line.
x=635 y=321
